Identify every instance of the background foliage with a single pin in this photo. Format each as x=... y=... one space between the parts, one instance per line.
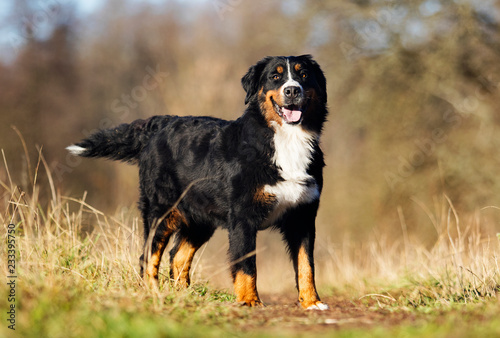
x=413 y=94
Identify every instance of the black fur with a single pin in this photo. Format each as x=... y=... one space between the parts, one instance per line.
x=221 y=166
x=124 y=142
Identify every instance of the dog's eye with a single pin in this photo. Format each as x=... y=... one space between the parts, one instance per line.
x=303 y=74
x=276 y=77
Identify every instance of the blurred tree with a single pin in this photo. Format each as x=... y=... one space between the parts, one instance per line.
x=413 y=92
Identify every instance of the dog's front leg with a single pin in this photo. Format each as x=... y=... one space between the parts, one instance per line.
x=299 y=233
x=242 y=244
x=304 y=270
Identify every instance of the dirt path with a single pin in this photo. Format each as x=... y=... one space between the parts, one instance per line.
x=282 y=313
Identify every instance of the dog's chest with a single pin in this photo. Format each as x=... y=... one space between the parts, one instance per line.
x=293 y=155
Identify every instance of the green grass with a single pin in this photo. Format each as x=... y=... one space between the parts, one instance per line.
x=77 y=277
x=71 y=309
x=67 y=306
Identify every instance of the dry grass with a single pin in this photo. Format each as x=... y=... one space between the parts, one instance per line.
x=70 y=250
x=462 y=265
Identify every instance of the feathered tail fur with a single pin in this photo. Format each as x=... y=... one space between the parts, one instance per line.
x=124 y=142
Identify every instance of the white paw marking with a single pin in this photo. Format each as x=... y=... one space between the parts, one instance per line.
x=319 y=306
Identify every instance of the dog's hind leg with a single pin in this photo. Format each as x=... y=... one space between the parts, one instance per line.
x=187 y=241
x=156 y=243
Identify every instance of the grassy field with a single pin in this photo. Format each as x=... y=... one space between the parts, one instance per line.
x=77 y=276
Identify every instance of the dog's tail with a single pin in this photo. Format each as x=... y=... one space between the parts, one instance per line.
x=124 y=142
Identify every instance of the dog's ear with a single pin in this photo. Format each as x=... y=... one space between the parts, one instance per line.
x=318 y=74
x=252 y=79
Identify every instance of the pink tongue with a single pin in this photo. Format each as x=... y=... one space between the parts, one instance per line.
x=291 y=115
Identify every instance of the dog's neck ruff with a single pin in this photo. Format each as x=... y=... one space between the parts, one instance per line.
x=293 y=152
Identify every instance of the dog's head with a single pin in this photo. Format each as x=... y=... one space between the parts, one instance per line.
x=289 y=90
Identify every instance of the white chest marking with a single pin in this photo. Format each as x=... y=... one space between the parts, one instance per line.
x=293 y=154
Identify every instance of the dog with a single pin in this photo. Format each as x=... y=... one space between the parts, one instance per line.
x=262 y=170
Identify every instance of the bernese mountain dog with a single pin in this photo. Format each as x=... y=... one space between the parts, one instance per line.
x=263 y=170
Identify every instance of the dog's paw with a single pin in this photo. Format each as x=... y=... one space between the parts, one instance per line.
x=317 y=306
x=251 y=303
x=151 y=283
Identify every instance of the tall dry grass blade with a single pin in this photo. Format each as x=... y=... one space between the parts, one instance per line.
x=34 y=196
x=16 y=204
x=25 y=148
x=457 y=221
x=406 y=240
x=49 y=175
x=200 y=255
x=35 y=178
x=236 y=261
x=378 y=295
x=94 y=210
x=490 y=207
x=7 y=170
x=429 y=214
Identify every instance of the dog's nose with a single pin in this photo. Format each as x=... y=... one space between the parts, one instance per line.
x=292 y=91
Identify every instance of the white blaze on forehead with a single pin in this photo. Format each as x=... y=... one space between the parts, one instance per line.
x=290 y=82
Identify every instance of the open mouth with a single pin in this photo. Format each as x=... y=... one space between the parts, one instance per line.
x=291 y=114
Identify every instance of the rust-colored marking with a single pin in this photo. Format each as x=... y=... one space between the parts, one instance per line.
x=297 y=67
x=151 y=274
x=181 y=264
x=280 y=69
x=263 y=197
x=172 y=222
x=267 y=105
x=305 y=279
x=245 y=289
